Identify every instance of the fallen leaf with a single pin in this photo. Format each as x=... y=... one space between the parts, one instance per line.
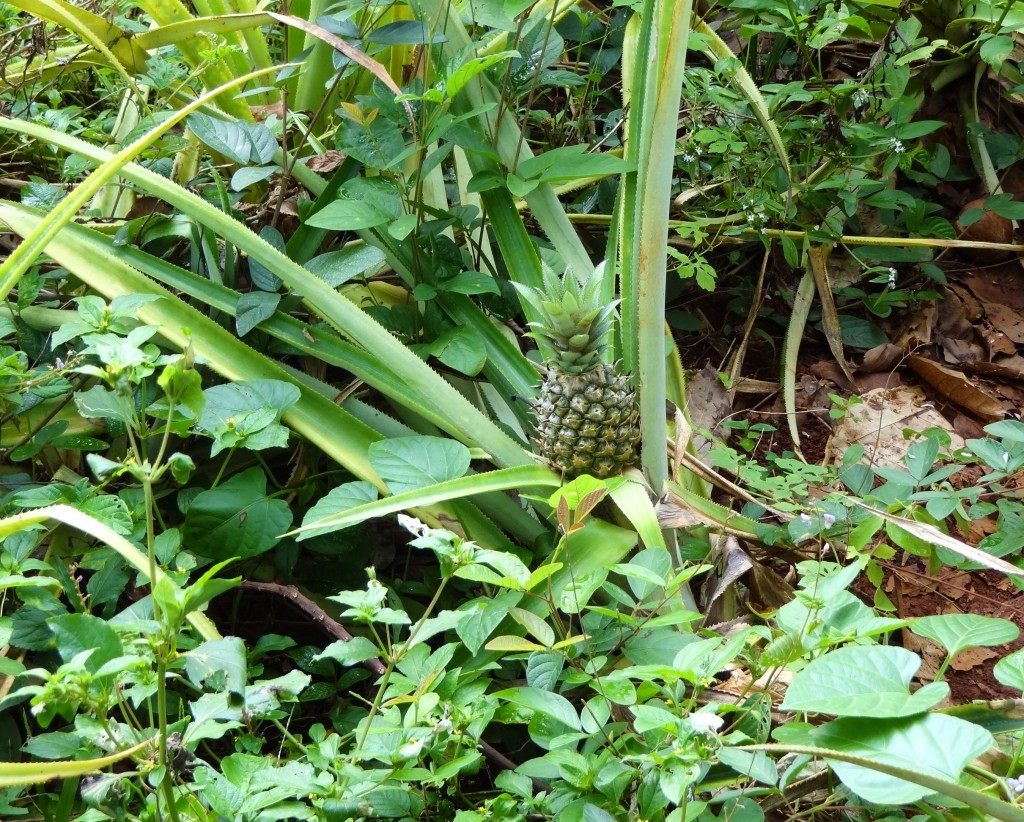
x=884 y=357
x=971 y=658
x=878 y=423
x=326 y=162
x=956 y=387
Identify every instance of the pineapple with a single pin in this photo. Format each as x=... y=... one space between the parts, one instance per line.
x=587 y=415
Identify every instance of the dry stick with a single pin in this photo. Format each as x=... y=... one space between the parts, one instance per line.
x=311 y=609
x=337 y=630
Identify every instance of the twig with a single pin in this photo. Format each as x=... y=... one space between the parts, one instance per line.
x=311 y=609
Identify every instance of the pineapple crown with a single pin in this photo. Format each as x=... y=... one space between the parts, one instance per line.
x=572 y=320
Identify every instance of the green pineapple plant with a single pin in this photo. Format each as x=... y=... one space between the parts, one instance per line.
x=587 y=415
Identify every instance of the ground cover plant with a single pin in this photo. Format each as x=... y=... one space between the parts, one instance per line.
x=375 y=441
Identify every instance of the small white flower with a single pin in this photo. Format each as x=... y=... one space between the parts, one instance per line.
x=892 y=277
x=443 y=726
x=828 y=520
x=688 y=158
x=860 y=98
x=897 y=145
x=706 y=723
x=413 y=525
x=411 y=749
x=805 y=518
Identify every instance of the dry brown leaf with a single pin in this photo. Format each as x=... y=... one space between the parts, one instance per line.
x=817 y=263
x=972 y=658
x=878 y=423
x=1006 y=321
x=957 y=388
x=261 y=113
x=883 y=357
x=932 y=656
x=874 y=382
x=830 y=370
x=998 y=285
x=748 y=385
x=326 y=162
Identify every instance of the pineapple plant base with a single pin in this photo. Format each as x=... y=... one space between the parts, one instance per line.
x=587 y=415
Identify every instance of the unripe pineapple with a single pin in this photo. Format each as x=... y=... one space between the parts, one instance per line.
x=587 y=414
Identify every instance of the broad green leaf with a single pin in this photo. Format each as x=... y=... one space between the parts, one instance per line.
x=378 y=144
x=932 y=744
x=512 y=644
x=921 y=457
x=552 y=705
x=100 y=402
x=109 y=510
x=955 y=632
x=544 y=669
x=534 y=625
x=81 y=632
x=409 y=463
x=350 y=651
x=656 y=646
x=570 y=163
x=55 y=745
x=1009 y=670
x=754 y=765
x=616 y=687
x=864 y=681
x=219 y=664
x=403 y=33
x=350 y=215
x=444 y=621
x=861 y=333
x=246 y=414
x=462 y=349
x=470 y=282
x=253 y=308
x=239 y=142
x=485 y=616
x=336 y=501
x=249 y=175
x=995 y=49
x=354 y=260
x=654 y=717
x=647 y=571
x=1011 y=430
x=236 y=519
x=462 y=73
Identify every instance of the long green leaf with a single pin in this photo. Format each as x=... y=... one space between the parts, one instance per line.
x=104 y=533
x=656 y=95
x=314 y=416
x=465 y=421
x=32 y=246
x=507 y=479
x=13 y=774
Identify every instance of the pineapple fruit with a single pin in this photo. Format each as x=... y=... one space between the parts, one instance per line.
x=587 y=415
